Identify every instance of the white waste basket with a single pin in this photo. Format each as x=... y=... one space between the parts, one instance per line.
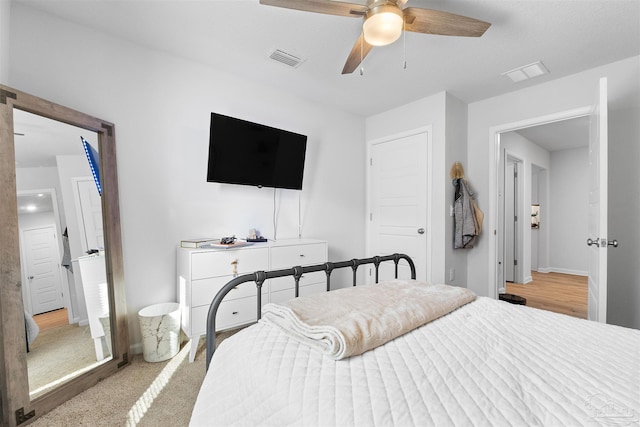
x=160 y=327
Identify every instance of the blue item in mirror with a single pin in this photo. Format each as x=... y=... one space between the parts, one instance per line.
x=92 y=158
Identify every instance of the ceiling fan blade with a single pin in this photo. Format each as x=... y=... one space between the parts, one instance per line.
x=429 y=21
x=320 y=6
x=358 y=53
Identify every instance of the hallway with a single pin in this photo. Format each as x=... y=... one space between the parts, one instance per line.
x=560 y=293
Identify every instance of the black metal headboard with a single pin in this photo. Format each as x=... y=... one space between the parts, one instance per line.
x=260 y=276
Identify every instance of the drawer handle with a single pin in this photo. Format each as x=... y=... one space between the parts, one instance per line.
x=302 y=255
x=234 y=313
x=234 y=263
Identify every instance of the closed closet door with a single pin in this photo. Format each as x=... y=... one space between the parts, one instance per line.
x=43 y=269
x=398 y=202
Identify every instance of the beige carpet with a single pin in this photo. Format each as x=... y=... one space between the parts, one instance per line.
x=142 y=394
x=57 y=353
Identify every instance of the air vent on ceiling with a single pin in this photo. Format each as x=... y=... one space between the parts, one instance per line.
x=526 y=72
x=286 y=58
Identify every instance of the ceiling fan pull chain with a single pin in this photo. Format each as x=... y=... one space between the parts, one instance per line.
x=361 y=54
x=404 y=42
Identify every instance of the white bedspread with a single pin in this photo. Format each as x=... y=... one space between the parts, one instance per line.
x=348 y=322
x=488 y=363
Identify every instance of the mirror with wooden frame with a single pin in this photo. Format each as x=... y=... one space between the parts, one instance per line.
x=98 y=270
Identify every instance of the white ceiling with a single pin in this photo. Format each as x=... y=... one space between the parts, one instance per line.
x=38 y=140
x=563 y=135
x=34 y=203
x=568 y=36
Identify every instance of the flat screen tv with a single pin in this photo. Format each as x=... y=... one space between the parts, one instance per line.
x=242 y=152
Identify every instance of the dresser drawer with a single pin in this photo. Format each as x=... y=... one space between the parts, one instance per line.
x=230 y=313
x=316 y=288
x=305 y=291
x=220 y=263
x=204 y=290
x=281 y=283
x=291 y=256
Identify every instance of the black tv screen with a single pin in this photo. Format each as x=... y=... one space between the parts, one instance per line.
x=242 y=152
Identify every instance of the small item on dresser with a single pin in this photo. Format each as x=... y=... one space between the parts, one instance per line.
x=254 y=236
x=227 y=243
x=228 y=240
x=196 y=242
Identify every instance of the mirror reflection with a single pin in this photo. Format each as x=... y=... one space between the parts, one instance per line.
x=64 y=288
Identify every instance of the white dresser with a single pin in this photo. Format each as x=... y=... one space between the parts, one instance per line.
x=201 y=273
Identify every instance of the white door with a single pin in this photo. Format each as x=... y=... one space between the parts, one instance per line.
x=598 y=195
x=398 y=203
x=90 y=208
x=43 y=269
x=510 y=220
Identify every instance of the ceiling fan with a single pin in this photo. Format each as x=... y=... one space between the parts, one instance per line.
x=384 y=21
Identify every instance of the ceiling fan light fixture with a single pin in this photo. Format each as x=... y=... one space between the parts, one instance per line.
x=383 y=24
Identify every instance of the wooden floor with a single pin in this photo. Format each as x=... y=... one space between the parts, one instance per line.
x=560 y=293
x=52 y=319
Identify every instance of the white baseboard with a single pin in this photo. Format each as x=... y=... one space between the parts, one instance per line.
x=84 y=322
x=528 y=279
x=544 y=270
x=569 y=271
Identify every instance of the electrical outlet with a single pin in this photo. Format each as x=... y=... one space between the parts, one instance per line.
x=452 y=273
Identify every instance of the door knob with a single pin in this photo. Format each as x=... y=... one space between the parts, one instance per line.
x=602 y=242
x=420 y=230
x=31 y=277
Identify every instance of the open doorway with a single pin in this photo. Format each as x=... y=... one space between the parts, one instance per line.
x=544 y=198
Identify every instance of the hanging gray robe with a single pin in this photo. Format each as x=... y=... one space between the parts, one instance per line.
x=466 y=227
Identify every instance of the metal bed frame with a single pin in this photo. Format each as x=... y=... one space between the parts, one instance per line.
x=260 y=276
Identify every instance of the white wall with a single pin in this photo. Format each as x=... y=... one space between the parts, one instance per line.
x=447 y=117
x=565 y=94
x=623 y=302
x=569 y=197
x=455 y=151
x=430 y=111
x=5 y=31
x=161 y=107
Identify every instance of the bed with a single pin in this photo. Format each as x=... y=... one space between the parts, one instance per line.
x=486 y=362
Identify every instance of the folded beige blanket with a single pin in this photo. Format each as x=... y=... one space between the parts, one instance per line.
x=348 y=322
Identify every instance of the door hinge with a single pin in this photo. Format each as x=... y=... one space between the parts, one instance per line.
x=22 y=417
x=370 y=161
x=370 y=217
x=515 y=262
x=515 y=218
